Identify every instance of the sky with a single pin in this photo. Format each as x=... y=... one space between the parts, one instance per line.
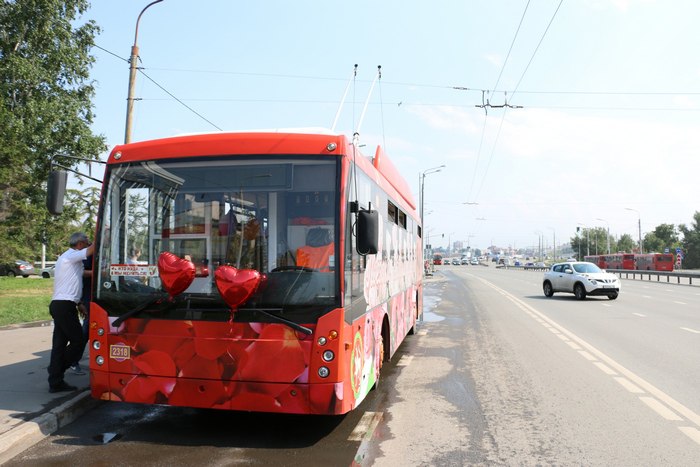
x=600 y=128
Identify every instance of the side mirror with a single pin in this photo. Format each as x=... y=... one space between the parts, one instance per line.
x=367 y=232
x=56 y=191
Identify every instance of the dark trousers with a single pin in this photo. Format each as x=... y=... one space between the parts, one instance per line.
x=68 y=343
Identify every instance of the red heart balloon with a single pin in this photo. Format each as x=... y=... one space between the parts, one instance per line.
x=236 y=285
x=176 y=273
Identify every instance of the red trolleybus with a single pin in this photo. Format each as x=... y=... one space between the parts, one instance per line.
x=613 y=261
x=655 y=262
x=595 y=259
x=277 y=272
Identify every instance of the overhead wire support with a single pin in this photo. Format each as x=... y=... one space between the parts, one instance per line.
x=369 y=95
x=345 y=95
x=486 y=104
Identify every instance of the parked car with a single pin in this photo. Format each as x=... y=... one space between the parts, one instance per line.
x=48 y=272
x=475 y=262
x=580 y=278
x=456 y=261
x=465 y=260
x=18 y=268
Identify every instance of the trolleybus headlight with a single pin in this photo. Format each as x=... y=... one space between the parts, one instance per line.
x=322 y=340
x=96 y=345
x=101 y=332
x=323 y=372
x=328 y=356
x=100 y=360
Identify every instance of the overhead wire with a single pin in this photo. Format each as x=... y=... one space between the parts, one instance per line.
x=180 y=101
x=417 y=85
x=483 y=130
x=505 y=109
x=140 y=69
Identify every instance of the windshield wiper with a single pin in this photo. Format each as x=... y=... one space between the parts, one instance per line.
x=156 y=300
x=291 y=324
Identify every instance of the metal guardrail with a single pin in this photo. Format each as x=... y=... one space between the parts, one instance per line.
x=682 y=277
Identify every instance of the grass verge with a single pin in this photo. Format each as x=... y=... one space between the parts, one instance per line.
x=24 y=300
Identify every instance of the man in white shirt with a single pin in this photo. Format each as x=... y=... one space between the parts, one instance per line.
x=67 y=342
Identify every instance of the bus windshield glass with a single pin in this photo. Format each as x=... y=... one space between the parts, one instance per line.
x=274 y=215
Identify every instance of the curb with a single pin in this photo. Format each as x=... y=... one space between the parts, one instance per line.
x=31 y=432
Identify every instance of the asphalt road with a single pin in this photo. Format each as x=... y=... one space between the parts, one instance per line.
x=497 y=375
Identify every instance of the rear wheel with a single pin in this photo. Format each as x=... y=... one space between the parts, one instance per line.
x=10 y=274
x=547 y=288
x=45 y=275
x=579 y=291
x=381 y=362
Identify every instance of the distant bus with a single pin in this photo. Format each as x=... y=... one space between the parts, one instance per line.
x=617 y=261
x=655 y=262
x=631 y=262
x=437 y=259
x=595 y=259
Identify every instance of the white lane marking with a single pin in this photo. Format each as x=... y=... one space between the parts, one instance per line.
x=640 y=315
x=646 y=296
x=405 y=360
x=661 y=396
x=605 y=368
x=691 y=330
x=587 y=356
x=607 y=304
x=680 y=303
x=693 y=433
x=627 y=384
x=660 y=409
x=365 y=427
x=574 y=345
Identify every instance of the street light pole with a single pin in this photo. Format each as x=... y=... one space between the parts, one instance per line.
x=599 y=219
x=554 y=243
x=132 y=77
x=422 y=199
x=641 y=245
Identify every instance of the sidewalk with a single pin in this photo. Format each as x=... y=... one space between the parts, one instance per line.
x=28 y=412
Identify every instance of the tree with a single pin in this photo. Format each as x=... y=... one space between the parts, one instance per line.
x=662 y=237
x=592 y=241
x=45 y=110
x=691 y=243
x=626 y=243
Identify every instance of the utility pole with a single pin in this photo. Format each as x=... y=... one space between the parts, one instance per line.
x=132 y=77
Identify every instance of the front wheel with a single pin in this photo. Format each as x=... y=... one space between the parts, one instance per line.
x=547 y=288
x=579 y=291
x=612 y=296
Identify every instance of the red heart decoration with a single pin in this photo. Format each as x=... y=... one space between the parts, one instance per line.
x=176 y=273
x=236 y=285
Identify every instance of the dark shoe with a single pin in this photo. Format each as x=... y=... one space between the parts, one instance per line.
x=76 y=369
x=62 y=387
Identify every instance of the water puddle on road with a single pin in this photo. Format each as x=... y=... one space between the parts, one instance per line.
x=430 y=302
